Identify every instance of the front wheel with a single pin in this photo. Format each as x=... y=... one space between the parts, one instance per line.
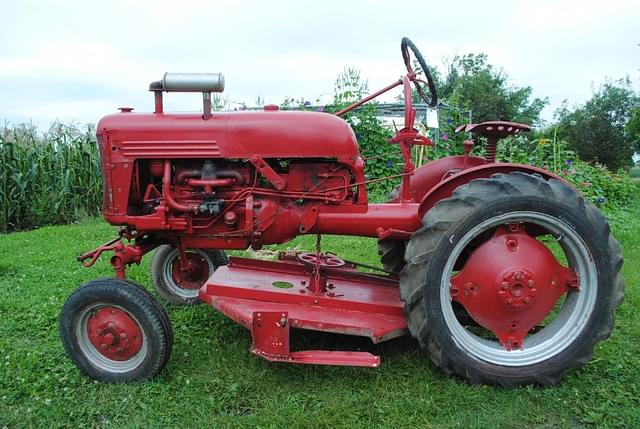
x=534 y=266
x=181 y=286
x=115 y=331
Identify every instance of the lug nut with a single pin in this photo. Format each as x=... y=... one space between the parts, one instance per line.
x=504 y=285
x=518 y=275
x=530 y=283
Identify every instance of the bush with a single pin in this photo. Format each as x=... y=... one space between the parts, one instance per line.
x=382 y=159
x=599 y=184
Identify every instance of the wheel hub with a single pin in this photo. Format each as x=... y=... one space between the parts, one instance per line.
x=194 y=275
x=517 y=289
x=114 y=333
x=510 y=284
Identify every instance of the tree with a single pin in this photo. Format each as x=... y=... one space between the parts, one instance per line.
x=471 y=82
x=633 y=127
x=602 y=129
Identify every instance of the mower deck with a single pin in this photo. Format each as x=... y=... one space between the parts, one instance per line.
x=269 y=297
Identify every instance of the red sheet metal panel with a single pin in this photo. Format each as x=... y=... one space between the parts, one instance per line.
x=353 y=303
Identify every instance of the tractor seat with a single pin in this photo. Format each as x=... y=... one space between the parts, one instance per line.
x=494 y=129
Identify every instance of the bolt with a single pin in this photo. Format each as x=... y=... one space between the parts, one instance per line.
x=99 y=331
x=113 y=312
x=504 y=285
x=104 y=346
x=123 y=335
x=526 y=300
x=111 y=325
x=530 y=283
x=518 y=275
x=510 y=301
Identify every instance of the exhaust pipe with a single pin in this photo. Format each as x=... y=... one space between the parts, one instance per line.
x=193 y=82
x=188 y=82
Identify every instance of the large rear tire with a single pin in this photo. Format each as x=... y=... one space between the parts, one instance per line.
x=392 y=251
x=392 y=255
x=455 y=227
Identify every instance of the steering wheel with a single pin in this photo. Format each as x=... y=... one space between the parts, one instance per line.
x=432 y=99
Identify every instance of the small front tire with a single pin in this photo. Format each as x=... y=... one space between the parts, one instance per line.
x=176 y=286
x=115 y=331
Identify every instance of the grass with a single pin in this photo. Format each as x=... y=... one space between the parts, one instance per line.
x=213 y=381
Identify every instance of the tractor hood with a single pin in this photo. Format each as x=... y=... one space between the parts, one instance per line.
x=270 y=134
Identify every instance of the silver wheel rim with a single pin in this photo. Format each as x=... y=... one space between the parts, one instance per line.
x=92 y=354
x=167 y=275
x=572 y=316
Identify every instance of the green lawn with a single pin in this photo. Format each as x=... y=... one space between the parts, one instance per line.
x=213 y=381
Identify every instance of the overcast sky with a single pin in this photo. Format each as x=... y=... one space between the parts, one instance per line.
x=79 y=60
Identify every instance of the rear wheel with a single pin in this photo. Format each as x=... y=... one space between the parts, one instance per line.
x=392 y=251
x=531 y=262
x=115 y=331
x=392 y=255
x=181 y=286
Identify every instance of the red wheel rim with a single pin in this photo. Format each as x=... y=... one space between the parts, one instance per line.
x=194 y=276
x=114 y=333
x=510 y=284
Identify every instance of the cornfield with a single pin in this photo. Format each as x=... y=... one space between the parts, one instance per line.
x=48 y=178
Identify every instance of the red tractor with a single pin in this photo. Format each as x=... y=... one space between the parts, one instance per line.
x=503 y=272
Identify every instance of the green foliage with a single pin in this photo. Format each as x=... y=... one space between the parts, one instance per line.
x=605 y=128
x=382 y=158
x=633 y=127
x=471 y=82
x=599 y=184
x=53 y=178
